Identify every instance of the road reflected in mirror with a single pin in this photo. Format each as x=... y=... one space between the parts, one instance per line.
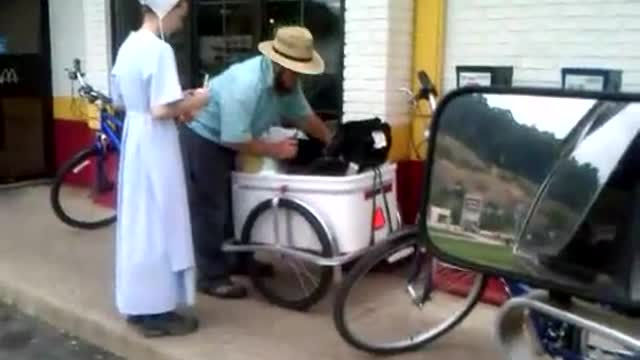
x=515 y=176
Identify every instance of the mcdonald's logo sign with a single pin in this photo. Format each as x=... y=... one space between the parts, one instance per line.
x=8 y=76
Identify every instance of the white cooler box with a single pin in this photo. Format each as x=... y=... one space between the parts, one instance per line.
x=343 y=203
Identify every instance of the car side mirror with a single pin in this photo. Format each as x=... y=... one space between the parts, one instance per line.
x=539 y=185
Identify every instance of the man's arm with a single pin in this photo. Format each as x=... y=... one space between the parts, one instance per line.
x=295 y=107
x=315 y=127
x=284 y=149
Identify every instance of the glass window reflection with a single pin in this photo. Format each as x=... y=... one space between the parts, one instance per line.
x=577 y=180
x=227 y=34
x=492 y=155
x=229 y=31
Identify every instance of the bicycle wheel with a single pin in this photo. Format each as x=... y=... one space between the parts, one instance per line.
x=362 y=318
x=289 y=271
x=82 y=195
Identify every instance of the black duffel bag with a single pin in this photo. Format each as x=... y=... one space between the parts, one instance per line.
x=363 y=143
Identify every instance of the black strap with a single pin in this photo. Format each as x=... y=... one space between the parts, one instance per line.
x=378 y=185
x=373 y=209
x=290 y=57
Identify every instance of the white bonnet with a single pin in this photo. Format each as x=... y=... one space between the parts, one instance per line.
x=160 y=7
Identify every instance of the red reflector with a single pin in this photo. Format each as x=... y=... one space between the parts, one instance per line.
x=378 y=219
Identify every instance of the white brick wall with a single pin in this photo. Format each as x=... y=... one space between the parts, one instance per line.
x=97 y=54
x=378 y=57
x=67 y=41
x=538 y=38
x=79 y=29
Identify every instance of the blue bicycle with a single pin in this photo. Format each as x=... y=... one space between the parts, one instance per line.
x=83 y=193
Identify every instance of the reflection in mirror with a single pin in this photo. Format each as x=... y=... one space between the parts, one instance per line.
x=514 y=177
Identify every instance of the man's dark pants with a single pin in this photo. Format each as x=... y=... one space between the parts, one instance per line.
x=208 y=167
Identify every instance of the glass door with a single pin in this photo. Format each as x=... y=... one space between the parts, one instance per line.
x=228 y=31
x=26 y=135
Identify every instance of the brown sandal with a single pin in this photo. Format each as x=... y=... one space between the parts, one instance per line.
x=224 y=289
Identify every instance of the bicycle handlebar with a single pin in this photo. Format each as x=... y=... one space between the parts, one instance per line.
x=86 y=90
x=427 y=91
x=427 y=86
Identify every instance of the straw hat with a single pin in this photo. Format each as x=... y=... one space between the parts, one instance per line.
x=293 y=49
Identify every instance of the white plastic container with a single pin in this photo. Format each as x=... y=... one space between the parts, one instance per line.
x=343 y=203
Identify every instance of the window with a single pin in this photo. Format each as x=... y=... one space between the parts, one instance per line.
x=25 y=90
x=19 y=27
x=229 y=31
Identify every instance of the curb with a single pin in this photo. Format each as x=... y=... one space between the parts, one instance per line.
x=27 y=183
x=79 y=324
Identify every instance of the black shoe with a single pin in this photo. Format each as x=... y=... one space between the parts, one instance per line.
x=223 y=288
x=166 y=324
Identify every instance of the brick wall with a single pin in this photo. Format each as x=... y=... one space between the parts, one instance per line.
x=97 y=45
x=79 y=29
x=540 y=37
x=378 y=57
x=67 y=41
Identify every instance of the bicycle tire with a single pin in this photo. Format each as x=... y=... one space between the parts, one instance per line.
x=58 y=210
x=398 y=242
x=326 y=277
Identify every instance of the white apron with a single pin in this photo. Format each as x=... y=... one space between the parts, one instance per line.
x=155 y=265
x=155 y=268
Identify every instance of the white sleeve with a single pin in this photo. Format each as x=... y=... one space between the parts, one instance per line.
x=164 y=82
x=116 y=94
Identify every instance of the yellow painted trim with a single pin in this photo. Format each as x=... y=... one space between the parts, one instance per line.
x=69 y=108
x=400 y=142
x=429 y=21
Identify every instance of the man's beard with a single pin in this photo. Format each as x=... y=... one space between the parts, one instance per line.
x=279 y=86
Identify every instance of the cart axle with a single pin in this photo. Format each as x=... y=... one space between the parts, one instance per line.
x=236 y=246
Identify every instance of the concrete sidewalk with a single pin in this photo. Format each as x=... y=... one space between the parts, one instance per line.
x=65 y=277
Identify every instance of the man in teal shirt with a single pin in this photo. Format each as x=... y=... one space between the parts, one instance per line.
x=245 y=101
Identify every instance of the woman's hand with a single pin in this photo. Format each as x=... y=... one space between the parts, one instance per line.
x=185 y=118
x=184 y=109
x=199 y=97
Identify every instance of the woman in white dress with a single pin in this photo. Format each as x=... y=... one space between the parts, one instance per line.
x=155 y=270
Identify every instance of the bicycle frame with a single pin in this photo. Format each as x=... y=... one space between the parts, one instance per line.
x=550 y=333
x=106 y=132
x=108 y=121
x=106 y=137
x=554 y=337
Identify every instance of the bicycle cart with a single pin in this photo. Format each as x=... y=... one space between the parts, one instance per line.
x=312 y=225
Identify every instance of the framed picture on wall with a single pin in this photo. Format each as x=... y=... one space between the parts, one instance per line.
x=584 y=82
x=474 y=79
x=483 y=75
x=590 y=79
